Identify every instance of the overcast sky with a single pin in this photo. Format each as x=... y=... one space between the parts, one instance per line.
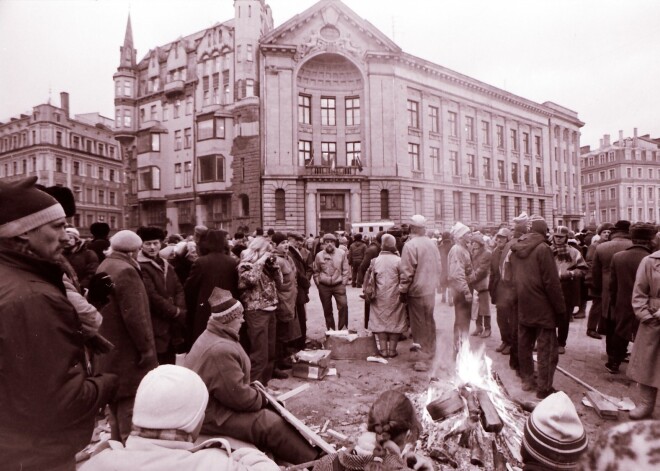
x=597 y=57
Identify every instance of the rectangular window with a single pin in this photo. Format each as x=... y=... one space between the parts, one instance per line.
x=90 y=195
x=352 y=111
x=530 y=206
x=453 y=124
x=189 y=105
x=187 y=174
x=178 y=141
x=76 y=167
x=413 y=114
x=612 y=193
x=504 y=207
x=155 y=142
x=187 y=138
x=113 y=198
x=249 y=88
x=474 y=206
x=469 y=128
x=527 y=175
x=166 y=112
x=537 y=145
x=487 y=168
x=539 y=177
x=514 y=173
x=526 y=147
x=413 y=154
x=453 y=162
x=112 y=175
x=177 y=108
x=304 y=109
x=178 y=175
x=435 y=160
x=514 y=139
x=501 y=175
x=418 y=202
x=517 y=205
x=611 y=173
x=439 y=205
x=456 y=200
x=485 y=133
x=149 y=179
x=101 y=197
x=472 y=166
x=353 y=151
x=328 y=111
x=329 y=154
x=101 y=173
x=305 y=153
x=329 y=202
x=59 y=165
x=211 y=168
x=500 y=136
x=490 y=208
x=434 y=117
x=153 y=113
x=250 y=55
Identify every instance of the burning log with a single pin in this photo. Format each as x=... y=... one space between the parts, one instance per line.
x=472 y=402
x=490 y=419
x=477 y=451
x=447 y=404
x=499 y=461
x=443 y=457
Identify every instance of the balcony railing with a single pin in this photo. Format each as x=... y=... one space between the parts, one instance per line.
x=331 y=171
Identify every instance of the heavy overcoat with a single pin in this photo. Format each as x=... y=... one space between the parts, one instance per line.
x=388 y=314
x=644 y=364
x=600 y=270
x=127 y=324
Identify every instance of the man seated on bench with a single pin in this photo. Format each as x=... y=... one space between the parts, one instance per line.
x=167 y=417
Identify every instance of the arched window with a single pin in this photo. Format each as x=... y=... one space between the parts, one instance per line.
x=280 y=213
x=243 y=205
x=384 y=204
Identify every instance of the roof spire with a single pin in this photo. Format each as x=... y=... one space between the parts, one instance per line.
x=128 y=53
x=128 y=38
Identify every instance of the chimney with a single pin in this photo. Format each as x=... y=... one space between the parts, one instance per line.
x=634 y=137
x=621 y=138
x=607 y=140
x=64 y=103
x=601 y=144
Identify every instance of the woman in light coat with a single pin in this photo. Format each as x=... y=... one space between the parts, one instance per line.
x=644 y=367
x=387 y=319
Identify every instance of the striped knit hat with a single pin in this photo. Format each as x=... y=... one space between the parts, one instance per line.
x=224 y=307
x=25 y=207
x=554 y=435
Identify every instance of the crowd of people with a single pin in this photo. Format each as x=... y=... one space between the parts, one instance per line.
x=89 y=323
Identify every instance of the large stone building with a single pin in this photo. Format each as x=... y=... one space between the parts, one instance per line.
x=621 y=179
x=324 y=121
x=80 y=153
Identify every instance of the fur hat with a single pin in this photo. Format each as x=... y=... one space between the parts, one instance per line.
x=278 y=237
x=458 y=230
x=151 y=233
x=538 y=225
x=170 y=397
x=643 y=231
x=62 y=195
x=125 y=241
x=25 y=207
x=606 y=226
x=100 y=230
x=418 y=221
x=554 y=435
x=224 y=307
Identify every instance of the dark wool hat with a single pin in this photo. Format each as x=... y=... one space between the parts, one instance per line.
x=643 y=231
x=25 y=207
x=591 y=227
x=621 y=226
x=224 y=307
x=357 y=237
x=606 y=226
x=278 y=237
x=538 y=225
x=151 y=233
x=295 y=235
x=554 y=435
x=64 y=196
x=100 y=230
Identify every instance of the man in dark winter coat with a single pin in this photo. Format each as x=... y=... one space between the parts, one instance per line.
x=600 y=270
x=373 y=250
x=303 y=275
x=540 y=306
x=623 y=324
x=127 y=324
x=603 y=231
x=83 y=260
x=167 y=303
x=495 y=289
x=99 y=242
x=48 y=398
x=355 y=256
x=215 y=269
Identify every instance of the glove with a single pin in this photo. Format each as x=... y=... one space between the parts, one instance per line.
x=468 y=297
x=100 y=288
x=403 y=298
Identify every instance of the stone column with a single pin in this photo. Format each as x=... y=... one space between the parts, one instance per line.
x=356 y=206
x=310 y=213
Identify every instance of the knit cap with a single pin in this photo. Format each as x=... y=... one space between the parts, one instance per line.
x=125 y=241
x=606 y=226
x=418 y=220
x=554 y=435
x=504 y=232
x=170 y=397
x=25 y=207
x=521 y=220
x=478 y=237
x=538 y=225
x=224 y=307
x=458 y=230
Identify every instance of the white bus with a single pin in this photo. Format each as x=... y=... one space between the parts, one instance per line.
x=370 y=228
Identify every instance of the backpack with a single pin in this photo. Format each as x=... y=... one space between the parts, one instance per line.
x=369 y=283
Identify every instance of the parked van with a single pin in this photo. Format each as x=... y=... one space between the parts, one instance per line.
x=370 y=228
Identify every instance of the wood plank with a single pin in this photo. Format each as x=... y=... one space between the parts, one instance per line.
x=604 y=408
x=287 y=395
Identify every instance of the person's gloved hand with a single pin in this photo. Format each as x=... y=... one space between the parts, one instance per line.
x=100 y=288
x=403 y=298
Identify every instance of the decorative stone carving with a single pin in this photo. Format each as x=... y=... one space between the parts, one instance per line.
x=325 y=41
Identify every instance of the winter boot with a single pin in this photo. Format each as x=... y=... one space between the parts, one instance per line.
x=381 y=344
x=392 y=342
x=480 y=327
x=486 y=332
x=646 y=404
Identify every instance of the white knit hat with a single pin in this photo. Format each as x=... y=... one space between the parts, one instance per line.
x=458 y=230
x=170 y=398
x=125 y=241
x=417 y=220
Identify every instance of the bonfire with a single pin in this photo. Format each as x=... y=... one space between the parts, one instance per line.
x=471 y=422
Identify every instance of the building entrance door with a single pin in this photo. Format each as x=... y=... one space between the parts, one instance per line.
x=330 y=225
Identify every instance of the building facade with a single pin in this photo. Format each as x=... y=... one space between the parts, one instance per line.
x=80 y=153
x=621 y=179
x=323 y=122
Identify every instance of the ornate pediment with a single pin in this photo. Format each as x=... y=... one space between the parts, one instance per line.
x=329 y=26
